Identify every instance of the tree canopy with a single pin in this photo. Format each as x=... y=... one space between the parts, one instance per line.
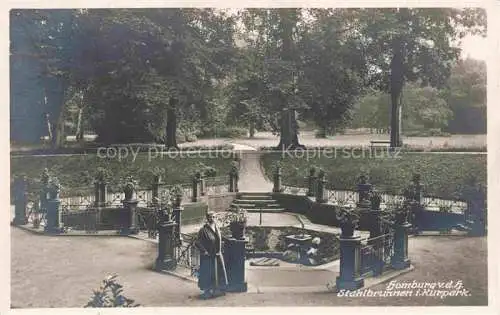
x=143 y=75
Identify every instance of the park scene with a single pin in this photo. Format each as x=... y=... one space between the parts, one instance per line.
x=250 y=157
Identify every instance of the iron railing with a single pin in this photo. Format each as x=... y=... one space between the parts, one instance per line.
x=187 y=254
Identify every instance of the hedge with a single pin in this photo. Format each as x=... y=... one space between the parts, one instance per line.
x=447 y=176
x=76 y=172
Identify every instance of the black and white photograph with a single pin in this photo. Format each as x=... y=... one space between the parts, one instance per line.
x=249 y=157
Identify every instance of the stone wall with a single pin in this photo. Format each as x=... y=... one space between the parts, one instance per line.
x=220 y=203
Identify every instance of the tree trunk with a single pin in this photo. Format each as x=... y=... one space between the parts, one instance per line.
x=49 y=128
x=396 y=86
x=79 y=129
x=322 y=132
x=59 y=134
x=289 y=138
x=171 y=129
x=251 y=130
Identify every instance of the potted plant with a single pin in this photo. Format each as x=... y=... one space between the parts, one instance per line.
x=401 y=214
x=102 y=175
x=45 y=176
x=237 y=218
x=176 y=194
x=157 y=174
x=129 y=188
x=209 y=171
x=234 y=169
x=54 y=188
x=348 y=219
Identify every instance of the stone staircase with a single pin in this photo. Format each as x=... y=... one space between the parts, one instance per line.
x=257 y=202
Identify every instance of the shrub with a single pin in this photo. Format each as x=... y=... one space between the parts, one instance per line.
x=447 y=176
x=110 y=294
x=73 y=171
x=225 y=132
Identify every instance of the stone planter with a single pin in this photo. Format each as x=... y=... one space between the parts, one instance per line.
x=237 y=230
x=348 y=229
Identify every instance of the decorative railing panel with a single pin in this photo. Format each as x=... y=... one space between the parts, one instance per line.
x=375 y=254
x=187 y=254
x=350 y=198
x=216 y=185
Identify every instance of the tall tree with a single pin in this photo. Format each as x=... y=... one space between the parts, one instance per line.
x=169 y=60
x=44 y=50
x=333 y=68
x=466 y=97
x=413 y=43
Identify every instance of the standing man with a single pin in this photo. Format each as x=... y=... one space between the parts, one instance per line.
x=212 y=278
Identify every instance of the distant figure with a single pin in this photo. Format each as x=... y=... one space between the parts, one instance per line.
x=212 y=278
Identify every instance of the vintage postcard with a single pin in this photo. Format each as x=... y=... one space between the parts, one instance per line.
x=249 y=157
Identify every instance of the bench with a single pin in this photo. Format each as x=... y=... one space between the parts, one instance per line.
x=373 y=143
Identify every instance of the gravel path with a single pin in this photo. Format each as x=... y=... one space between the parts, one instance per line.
x=307 y=138
x=62 y=271
x=252 y=178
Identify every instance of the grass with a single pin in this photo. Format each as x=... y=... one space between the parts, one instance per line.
x=93 y=148
x=405 y=148
x=76 y=172
x=448 y=176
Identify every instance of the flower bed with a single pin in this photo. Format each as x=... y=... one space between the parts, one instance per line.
x=271 y=240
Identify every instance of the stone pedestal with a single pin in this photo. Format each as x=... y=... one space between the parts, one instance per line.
x=478 y=228
x=202 y=187
x=177 y=217
x=302 y=243
x=155 y=190
x=131 y=206
x=375 y=227
x=53 y=216
x=100 y=190
x=311 y=182
x=21 y=202
x=43 y=200
x=277 y=181
x=321 y=193
x=234 y=259
x=363 y=193
x=231 y=183
x=236 y=178
x=400 y=258
x=349 y=278
x=166 y=247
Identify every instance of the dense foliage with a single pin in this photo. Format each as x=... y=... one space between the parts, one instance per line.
x=76 y=173
x=142 y=75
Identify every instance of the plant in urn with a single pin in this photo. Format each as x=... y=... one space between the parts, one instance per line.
x=348 y=219
x=129 y=189
x=237 y=218
x=54 y=188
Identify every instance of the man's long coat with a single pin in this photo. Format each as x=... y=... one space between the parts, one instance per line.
x=212 y=272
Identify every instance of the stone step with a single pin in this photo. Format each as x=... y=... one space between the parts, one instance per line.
x=266 y=210
x=255 y=198
x=255 y=206
x=252 y=195
x=241 y=200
